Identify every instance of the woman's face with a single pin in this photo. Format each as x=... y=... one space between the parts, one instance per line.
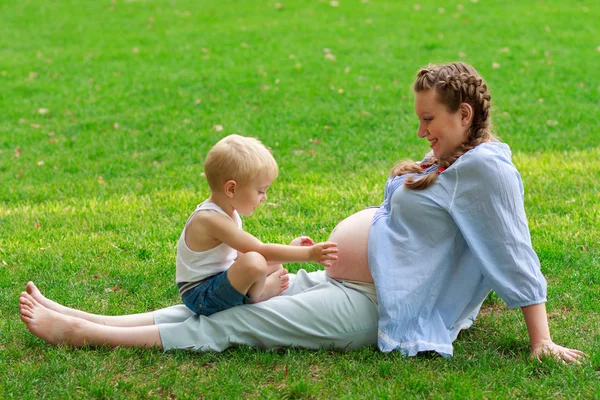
x=444 y=130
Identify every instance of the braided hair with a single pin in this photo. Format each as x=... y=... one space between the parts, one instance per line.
x=454 y=84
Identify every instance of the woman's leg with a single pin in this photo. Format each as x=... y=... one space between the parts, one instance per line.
x=313 y=313
x=119 y=320
x=56 y=328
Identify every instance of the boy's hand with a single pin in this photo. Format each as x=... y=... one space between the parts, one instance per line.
x=323 y=253
x=302 y=241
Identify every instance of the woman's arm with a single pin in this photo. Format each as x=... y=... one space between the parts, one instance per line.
x=488 y=208
x=539 y=336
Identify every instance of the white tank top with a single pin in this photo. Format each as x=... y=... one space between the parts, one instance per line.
x=194 y=266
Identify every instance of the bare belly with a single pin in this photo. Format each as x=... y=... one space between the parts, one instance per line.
x=352 y=236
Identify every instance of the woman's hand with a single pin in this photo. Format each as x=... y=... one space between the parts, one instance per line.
x=549 y=348
x=539 y=337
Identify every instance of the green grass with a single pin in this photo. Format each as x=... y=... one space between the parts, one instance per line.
x=94 y=193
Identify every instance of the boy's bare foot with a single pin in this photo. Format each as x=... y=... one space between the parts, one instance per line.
x=49 y=325
x=275 y=283
x=285 y=280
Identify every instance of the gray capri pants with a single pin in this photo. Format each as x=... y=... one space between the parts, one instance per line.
x=314 y=312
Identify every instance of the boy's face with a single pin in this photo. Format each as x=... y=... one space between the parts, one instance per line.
x=248 y=197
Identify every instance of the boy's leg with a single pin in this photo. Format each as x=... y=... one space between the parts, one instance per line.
x=273 y=267
x=56 y=328
x=249 y=275
x=314 y=313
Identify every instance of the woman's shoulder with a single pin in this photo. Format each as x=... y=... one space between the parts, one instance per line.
x=488 y=165
x=487 y=156
x=492 y=149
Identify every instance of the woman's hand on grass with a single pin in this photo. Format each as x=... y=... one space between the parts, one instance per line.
x=551 y=349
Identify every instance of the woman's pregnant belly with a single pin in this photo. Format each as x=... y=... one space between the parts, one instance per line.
x=352 y=237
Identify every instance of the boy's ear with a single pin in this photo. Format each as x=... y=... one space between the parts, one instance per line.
x=230 y=187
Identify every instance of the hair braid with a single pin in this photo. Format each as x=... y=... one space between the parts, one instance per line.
x=454 y=84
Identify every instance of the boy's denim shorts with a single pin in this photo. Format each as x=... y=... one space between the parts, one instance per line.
x=212 y=295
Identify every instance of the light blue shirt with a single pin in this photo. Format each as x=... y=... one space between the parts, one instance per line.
x=435 y=254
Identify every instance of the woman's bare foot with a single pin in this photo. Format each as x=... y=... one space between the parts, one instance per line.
x=56 y=328
x=131 y=320
x=47 y=324
x=40 y=298
x=275 y=283
x=52 y=305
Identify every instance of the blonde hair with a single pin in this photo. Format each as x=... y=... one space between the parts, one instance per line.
x=454 y=83
x=238 y=158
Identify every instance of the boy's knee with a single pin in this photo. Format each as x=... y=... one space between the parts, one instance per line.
x=254 y=263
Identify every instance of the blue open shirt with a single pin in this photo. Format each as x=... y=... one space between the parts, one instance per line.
x=435 y=254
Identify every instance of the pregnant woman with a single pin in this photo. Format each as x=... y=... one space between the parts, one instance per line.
x=409 y=275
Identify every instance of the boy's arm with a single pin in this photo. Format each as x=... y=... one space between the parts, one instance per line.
x=224 y=230
x=322 y=253
x=299 y=241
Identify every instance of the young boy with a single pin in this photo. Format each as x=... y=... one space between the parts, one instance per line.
x=219 y=265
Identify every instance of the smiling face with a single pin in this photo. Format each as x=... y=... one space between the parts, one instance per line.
x=445 y=130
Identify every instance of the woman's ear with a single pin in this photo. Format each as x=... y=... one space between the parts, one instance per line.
x=229 y=188
x=466 y=113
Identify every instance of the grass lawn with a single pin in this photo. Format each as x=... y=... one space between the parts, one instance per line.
x=107 y=109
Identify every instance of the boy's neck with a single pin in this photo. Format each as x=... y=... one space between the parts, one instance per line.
x=223 y=202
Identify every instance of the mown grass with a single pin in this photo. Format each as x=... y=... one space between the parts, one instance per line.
x=94 y=192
